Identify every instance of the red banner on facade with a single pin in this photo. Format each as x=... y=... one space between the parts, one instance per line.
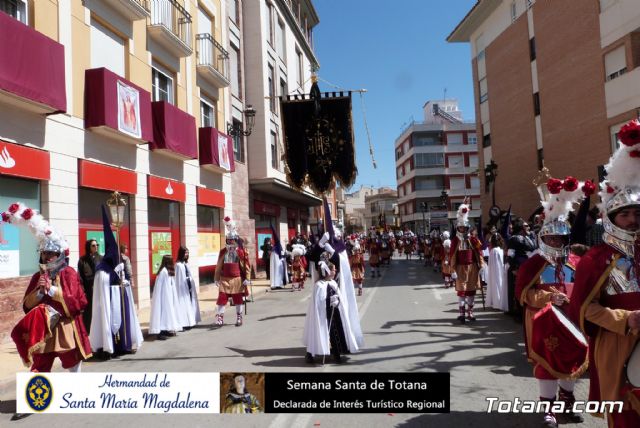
x=164 y=188
x=21 y=161
x=98 y=176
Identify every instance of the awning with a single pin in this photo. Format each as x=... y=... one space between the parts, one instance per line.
x=282 y=190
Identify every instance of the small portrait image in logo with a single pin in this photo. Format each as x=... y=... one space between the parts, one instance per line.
x=39 y=393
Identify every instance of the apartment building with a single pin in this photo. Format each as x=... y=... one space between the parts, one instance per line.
x=437 y=168
x=380 y=208
x=553 y=84
x=278 y=59
x=129 y=96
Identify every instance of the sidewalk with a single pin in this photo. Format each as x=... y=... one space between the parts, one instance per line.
x=10 y=362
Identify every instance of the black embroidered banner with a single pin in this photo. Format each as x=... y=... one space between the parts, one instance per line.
x=318 y=140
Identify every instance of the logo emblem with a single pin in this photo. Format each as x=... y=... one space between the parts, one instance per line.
x=6 y=161
x=551 y=343
x=169 y=189
x=39 y=393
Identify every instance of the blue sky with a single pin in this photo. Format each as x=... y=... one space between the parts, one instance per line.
x=398 y=52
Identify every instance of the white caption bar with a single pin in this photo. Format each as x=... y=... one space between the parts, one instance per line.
x=118 y=392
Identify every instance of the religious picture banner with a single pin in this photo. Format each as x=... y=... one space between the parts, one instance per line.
x=223 y=152
x=129 y=110
x=318 y=140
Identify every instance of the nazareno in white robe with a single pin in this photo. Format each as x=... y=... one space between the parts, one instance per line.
x=279 y=274
x=163 y=305
x=497 y=296
x=106 y=316
x=316 y=325
x=348 y=290
x=188 y=309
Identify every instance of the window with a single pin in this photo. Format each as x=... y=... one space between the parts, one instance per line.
x=107 y=49
x=532 y=48
x=15 y=8
x=473 y=161
x=205 y=23
x=454 y=139
x=426 y=140
x=272 y=89
x=486 y=140
x=536 y=103
x=615 y=63
x=280 y=40
x=514 y=11
x=236 y=72
x=429 y=183
x=238 y=143
x=456 y=161
x=540 y=159
x=274 y=150
x=456 y=183
x=483 y=90
x=268 y=25
x=427 y=160
x=162 y=86
x=475 y=182
x=472 y=139
x=399 y=154
x=19 y=246
x=207 y=113
x=233 y=11
x=300 y=69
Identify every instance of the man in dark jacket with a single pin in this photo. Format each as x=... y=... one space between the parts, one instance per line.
x=519 y=245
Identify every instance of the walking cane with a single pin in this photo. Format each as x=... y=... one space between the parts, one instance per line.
x=333 y=308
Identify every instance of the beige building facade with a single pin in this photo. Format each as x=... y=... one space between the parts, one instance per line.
x=553 y=84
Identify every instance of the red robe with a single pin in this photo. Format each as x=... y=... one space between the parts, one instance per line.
x=32 y=334
x=604 y=318
x=467 y=264
x=534 y=295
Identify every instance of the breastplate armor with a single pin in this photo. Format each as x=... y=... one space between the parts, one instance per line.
x=548 y=275
x=231 y=257
x=623 y=278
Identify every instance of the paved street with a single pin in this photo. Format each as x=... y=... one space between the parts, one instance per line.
x=409 y=325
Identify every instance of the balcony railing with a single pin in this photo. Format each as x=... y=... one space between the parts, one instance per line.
x=173 y=17
x=211 y=54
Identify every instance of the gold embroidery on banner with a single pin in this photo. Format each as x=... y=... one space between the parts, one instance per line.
x=551 y=343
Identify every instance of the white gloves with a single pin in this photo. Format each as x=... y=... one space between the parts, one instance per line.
x=246 y=282
x=118 y=269
x=126 y=282
x=324 y=239
x=454 y=275
x=334 y=301
x=217 y=283
x=328 y=248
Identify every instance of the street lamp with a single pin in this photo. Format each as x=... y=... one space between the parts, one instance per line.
x=117 y=205
x=490 y=174
x=235 y=129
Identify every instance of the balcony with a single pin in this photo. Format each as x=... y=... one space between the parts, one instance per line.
x=115 y=107
x=216 y=150
x=170 y=27
x=33 y=81
x=213 y=61
x=174 y=131
x=132 y=10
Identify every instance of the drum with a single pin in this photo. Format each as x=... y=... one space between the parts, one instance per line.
x=632 y=367
x=558 y=344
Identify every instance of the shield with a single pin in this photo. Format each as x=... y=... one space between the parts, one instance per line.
x=557 y=344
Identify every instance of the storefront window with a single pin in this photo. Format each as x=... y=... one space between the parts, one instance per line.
x=18 y=247
x=164 y=232
x=209 y=243
x=90 y=218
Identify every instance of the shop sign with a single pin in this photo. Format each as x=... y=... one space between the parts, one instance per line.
x=20 y=161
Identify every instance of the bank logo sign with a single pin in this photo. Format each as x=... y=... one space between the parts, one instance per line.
x=39 y=393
